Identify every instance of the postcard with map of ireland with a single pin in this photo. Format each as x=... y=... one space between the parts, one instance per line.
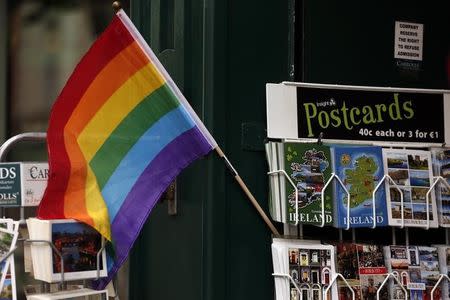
x=360 y=169
x=309 y=167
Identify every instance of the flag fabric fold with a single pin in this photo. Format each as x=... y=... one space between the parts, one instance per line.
x=118 y=135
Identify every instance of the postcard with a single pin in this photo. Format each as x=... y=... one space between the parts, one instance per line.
x=412 y=176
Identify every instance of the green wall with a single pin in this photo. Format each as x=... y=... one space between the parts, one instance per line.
x=222 y=54
x=352 y=42
x=217 y=247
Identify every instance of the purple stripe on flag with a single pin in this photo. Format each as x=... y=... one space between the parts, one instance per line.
x=138 y=204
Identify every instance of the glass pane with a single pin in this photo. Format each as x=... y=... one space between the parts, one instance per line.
x=47 y=39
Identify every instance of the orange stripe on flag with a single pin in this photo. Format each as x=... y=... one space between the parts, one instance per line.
x=74 y=198
x=125 y=64
x=111 y=78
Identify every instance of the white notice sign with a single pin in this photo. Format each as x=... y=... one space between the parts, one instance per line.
x=408 y=42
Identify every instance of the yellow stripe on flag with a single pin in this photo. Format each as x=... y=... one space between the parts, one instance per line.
x=108 y=81
x=116 y=108
x=96 y=206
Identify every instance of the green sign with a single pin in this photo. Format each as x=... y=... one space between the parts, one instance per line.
x=10 y=189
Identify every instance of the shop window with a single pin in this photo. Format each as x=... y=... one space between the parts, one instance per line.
x=46 y=40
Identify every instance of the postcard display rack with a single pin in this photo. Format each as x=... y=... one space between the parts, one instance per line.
x=17 y=192
x=394 y=119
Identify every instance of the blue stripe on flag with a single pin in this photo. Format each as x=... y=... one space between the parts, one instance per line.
x=141 y=154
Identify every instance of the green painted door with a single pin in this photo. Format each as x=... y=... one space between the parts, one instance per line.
x=217 y=247
x=352 y=42
x=222 y=53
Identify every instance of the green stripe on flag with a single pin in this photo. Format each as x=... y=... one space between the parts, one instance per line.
x=133 y=126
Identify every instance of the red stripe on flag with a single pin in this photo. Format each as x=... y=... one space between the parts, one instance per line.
x=103 y=50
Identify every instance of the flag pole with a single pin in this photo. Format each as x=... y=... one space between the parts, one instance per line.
x=117 y=7
x=247 y=191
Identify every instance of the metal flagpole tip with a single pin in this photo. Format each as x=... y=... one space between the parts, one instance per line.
x=116 y=6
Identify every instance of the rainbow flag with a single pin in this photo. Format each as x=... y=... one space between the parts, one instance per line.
x=119 y=133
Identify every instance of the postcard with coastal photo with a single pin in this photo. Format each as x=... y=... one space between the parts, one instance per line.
x=441 y=167
x=412 y=176
x=7 y=292
x=429 y=265
x=8 y=239
x=8 y=280
x=6 y=243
